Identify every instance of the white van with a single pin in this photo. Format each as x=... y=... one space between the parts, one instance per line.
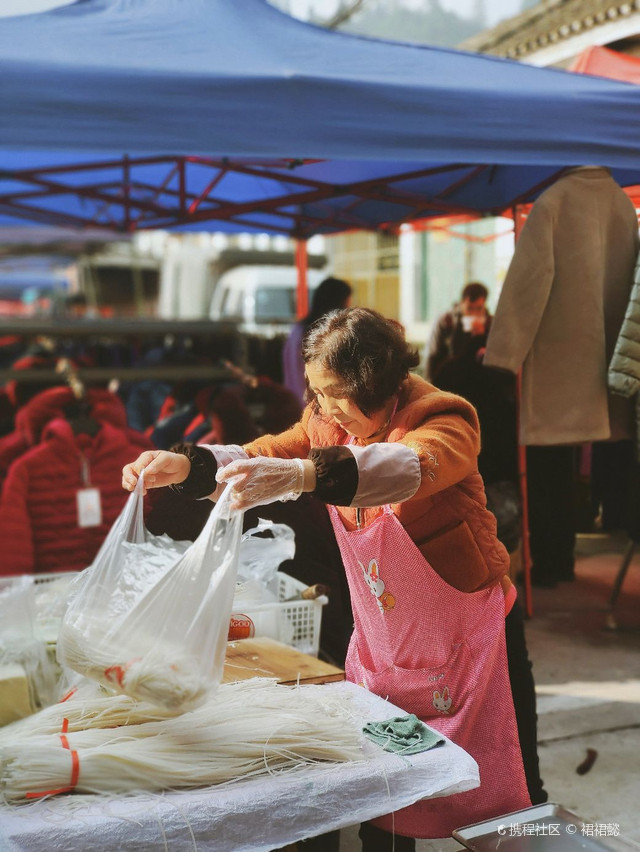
x=261 y=299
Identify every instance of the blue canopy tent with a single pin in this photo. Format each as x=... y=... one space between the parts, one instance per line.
x=230 y=115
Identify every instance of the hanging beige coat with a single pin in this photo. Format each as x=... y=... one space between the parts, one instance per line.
x=561 y=308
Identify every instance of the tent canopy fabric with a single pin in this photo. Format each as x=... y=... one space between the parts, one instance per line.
x=234 y=116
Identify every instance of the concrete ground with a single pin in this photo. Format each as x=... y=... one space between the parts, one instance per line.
x=587 y=668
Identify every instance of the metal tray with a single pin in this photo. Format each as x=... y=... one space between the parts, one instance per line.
x=556 y=830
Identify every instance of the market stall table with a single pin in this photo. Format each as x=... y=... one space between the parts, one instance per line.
x=265 y=657
x=259 y=814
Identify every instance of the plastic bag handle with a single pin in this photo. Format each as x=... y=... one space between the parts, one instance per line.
x=135 y=531
x=263 y=526
x=221 y=510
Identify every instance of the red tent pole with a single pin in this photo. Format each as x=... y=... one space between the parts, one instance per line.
x=518 y=221
x=302 y=289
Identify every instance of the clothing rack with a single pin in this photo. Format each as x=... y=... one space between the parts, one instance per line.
x=70 y=374
x=633 y=531
x=221 y=334
x=622 y=573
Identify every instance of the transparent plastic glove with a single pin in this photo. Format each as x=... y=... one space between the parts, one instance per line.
x=261 y=480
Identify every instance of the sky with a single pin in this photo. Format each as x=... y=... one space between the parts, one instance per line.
x=21 y=7
x=496 y=10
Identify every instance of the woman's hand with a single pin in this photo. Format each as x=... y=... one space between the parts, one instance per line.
x=261 y=480
x=160 y=468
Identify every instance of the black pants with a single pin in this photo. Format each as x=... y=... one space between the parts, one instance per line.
x=524 y=703
x=329 y=842
x=552 y=524
x=612 y=468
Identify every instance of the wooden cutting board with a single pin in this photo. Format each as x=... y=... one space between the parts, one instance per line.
x=268 y=658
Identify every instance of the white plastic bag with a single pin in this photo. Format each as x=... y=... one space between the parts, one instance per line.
x=150 y=625
x=21 y=647
x=261 y=556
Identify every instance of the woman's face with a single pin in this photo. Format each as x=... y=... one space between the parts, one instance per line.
x=325 y=386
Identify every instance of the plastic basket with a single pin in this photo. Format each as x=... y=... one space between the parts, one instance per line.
x=303 y=616
x=294 y=622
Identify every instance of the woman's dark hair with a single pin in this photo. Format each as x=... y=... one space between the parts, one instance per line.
x=330 y=295
x=366 y=350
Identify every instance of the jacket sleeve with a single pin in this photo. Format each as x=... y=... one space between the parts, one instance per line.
x=362 y=477
x=16 y=532
x=524 y=295
x=439 y=451
x=206 y=458
x=290 y=444
x=624 y=370
x=447 y=446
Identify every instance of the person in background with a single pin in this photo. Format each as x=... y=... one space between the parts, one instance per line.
x=256 y=403
x=460 y=332
x=456 y=364
x=331 y=294
x=437 y=627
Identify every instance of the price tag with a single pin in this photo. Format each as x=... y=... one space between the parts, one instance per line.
x=89 y=507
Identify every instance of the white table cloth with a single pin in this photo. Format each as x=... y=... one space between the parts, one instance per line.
x=256 y=815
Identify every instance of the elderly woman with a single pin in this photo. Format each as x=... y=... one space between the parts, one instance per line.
x=395 y=460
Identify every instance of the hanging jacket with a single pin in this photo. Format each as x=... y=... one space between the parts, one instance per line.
x=39 y=527
x=624 y=370
x=33 y=417
x=561 y=308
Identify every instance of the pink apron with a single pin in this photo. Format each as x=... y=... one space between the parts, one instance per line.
x=438 y=653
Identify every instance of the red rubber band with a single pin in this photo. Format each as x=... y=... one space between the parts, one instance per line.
x=119 y=672
x=68 y=695
x=115 y=673
x=75 y=768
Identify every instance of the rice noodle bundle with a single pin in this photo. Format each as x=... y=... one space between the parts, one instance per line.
x=149 y=671
x=251 y=728
x=87 y=706
x=150 y=626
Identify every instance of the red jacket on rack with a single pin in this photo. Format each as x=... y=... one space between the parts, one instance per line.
x=39 y=529
x=32 y=418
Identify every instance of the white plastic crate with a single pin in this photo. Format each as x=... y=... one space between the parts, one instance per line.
x=293 y=622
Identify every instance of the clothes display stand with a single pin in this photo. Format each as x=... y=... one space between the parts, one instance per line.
x=617 y=584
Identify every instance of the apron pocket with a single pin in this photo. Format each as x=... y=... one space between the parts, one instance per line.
x=431 y=692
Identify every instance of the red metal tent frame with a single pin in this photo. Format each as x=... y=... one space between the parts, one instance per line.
x=124 y=200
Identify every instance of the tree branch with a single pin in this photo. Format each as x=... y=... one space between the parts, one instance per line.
x=343 y=15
